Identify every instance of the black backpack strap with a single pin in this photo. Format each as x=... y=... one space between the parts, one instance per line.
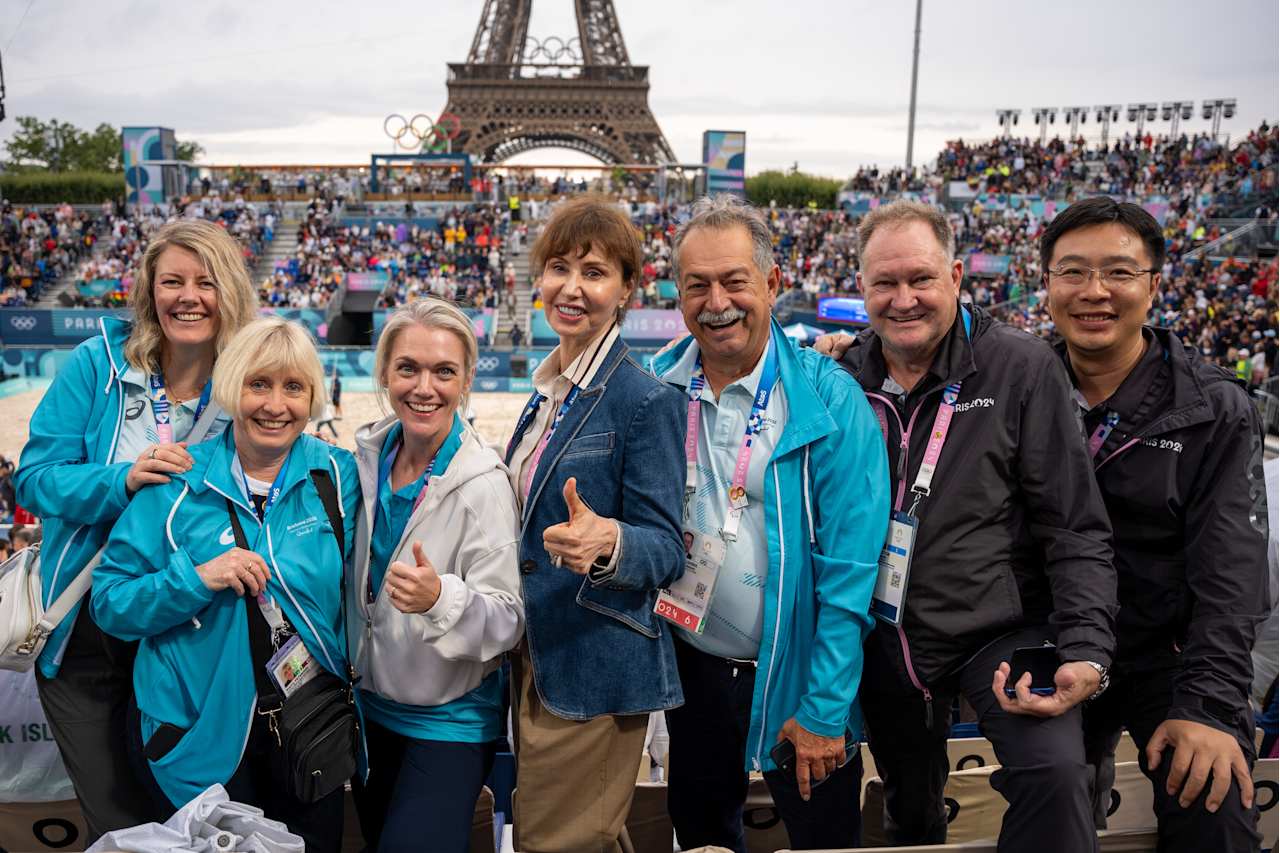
x=329 y=497
x=260 y=651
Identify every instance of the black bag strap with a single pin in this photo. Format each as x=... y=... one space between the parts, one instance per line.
x=329 y=497
x=260 y=652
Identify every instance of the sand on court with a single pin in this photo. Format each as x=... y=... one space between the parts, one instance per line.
x=496 y=416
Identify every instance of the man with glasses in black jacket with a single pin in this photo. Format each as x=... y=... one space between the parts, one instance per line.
x=1176 y=447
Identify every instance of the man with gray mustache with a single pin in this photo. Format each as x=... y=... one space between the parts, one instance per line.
x=786 y=507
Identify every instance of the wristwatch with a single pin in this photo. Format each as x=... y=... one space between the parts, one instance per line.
x=1104 y=678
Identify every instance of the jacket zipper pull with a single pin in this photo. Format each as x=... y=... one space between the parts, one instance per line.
x=928 y=710
x=902 y=458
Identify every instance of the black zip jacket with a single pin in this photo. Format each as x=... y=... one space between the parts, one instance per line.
x=1181 y=474
x=1015 y=533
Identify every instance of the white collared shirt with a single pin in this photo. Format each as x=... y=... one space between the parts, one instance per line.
x=737 y=604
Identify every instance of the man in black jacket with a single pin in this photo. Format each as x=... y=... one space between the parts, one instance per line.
x=1010 y=545
x=1177 y=451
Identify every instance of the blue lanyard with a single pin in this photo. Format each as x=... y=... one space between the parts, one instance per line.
x=384 y=473
x=272 y=493
x=160 y=406
x=531 y=409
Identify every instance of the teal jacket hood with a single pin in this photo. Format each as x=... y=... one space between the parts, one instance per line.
x=826 y=514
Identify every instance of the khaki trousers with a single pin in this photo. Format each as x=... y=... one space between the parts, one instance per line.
x=574 y=779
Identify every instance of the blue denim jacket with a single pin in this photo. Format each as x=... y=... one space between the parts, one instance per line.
x=599 y=648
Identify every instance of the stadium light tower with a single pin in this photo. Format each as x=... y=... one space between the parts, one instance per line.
x=1007 y=119
x=1172 y=111
x=1045 y=116
x=1077 y=116
x=915 y=71
x=1107 y=113
x=1142 y=112
x=1218 y=109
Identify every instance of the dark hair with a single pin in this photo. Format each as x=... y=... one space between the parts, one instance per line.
x=586 y=223
x=1101 y=210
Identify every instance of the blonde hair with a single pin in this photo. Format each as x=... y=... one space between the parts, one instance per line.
x=267 y=345
x=222 y=258
x=430 y=313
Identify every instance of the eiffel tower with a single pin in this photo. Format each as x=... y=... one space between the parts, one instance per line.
x=515 y=93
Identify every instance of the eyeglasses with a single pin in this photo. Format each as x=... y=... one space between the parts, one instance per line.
x=1111 y=277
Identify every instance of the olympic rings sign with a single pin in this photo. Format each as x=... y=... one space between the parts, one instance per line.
x=23 y=322
x=420 y=133
x=487 y=364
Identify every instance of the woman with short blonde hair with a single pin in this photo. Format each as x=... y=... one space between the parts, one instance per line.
x=433 y=600
x=120 y=415
x=255 y=538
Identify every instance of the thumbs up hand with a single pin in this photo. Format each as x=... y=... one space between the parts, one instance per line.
x=584 y=538
x=416 y=588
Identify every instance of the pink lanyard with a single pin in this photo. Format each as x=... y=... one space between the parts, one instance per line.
x=932 y=452
x=1100 y=434
x=738 y=487
x=546 y=439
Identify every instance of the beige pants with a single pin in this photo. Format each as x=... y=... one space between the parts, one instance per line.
x=575 y=779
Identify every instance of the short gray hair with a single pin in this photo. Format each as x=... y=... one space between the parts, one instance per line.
x=725 y=211
x=903 y=212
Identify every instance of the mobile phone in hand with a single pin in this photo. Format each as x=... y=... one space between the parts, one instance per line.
x=784 y=756
x=1041 y=662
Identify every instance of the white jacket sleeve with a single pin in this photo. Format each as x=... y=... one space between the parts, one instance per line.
x=480 y=613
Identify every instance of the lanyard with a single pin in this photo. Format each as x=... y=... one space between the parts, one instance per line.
x=1100 y=434
x=384 y=479
x=160 y=407
x=384 y=474
x=933 y=451
x=738 y=487
x=530 y=410
x=274 y=491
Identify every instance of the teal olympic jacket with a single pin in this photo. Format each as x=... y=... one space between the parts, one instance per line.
x=826 y=524
x=193 y=668
x=66 y=476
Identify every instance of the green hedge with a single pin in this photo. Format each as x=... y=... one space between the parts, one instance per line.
x=55 y=187
x=794 y=189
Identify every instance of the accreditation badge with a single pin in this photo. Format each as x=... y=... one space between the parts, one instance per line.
x=687 y=602
x=292 y=667
x=895 y=567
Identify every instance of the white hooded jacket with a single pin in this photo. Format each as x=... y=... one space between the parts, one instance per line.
x=468 y=526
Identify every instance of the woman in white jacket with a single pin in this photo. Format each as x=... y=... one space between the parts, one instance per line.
x=433 y=600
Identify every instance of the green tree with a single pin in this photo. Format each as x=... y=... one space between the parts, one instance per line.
x=99 y=151
x=792 y=189
x=48 y=144
x=190 y=151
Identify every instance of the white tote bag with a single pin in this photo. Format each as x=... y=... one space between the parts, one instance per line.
x=25 y=625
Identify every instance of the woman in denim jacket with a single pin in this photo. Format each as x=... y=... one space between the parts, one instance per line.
x=598 y=468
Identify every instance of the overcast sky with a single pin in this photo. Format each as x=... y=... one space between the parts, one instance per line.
x=821 y=84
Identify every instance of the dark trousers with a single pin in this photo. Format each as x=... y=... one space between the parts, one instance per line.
x=1043 y=774
x=420 y=789
x=1140 y=703
x=707 y=785
x=87 y=707
x=255 y=782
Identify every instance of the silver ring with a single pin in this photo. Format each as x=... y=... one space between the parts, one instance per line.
x=557 y=561
x=153 y=453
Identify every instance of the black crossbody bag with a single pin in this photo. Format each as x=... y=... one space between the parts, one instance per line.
x=317 y=730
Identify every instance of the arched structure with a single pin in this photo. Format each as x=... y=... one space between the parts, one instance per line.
x=515 y=93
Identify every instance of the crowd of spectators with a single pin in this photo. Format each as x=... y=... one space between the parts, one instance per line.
x=124 y=233
x=37 y=247
x=460 y=258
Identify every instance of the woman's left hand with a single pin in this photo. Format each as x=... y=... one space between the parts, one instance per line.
x=584 y=538
x=413 y=589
